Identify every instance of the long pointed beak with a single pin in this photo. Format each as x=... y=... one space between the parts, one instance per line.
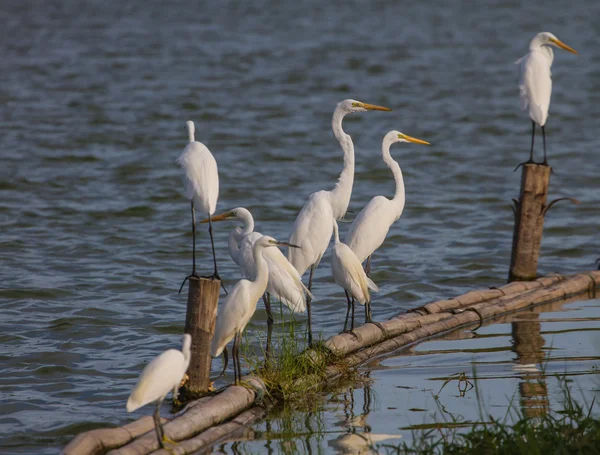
x=291 y=245
x=221 y=217
x=562 y=45
x=373 y=107
x=415 y=140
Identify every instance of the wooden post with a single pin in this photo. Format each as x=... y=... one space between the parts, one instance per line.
x=203 y=297
x=529 y=222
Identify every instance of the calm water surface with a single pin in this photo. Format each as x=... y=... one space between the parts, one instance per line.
x=94 y=228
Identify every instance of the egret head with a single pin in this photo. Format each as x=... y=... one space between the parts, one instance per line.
x=548 y=39
x=349 y=106
x=396 y=136
x=239 y=213
x=267 y=241
x=191 y=129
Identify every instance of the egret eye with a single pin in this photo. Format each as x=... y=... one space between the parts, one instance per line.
x=355 y=104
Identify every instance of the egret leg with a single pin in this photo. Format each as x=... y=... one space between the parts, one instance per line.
x=193 y=274
x=369 y=318
x=545 y=163
x=215 y=275
x=267 y=301
x=236 y=358
x=308 y=306
x=353 y=307
x=225 y=362
x=532 y=141
x=347 y=312
x=368 y=267
x=158 y=426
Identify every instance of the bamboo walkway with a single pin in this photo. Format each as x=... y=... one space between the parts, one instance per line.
x=223 y=416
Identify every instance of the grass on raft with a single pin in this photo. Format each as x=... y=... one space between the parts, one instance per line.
x=293 y=373
x=575 y=429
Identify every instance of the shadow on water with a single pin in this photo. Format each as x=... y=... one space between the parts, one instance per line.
x=507 y=367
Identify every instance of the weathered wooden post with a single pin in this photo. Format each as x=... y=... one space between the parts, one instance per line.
x=530 y=210
x=203 y=298
x=529 y=222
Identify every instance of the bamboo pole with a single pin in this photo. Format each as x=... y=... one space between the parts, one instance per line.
x=204 y=422
x=203 y=298
x=529 y=222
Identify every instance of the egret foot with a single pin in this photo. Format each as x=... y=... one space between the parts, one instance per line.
x=193 y=275
x=167 y=440
x=382 y=328
x=351 y=332
x=530 y=161
x=216 y=276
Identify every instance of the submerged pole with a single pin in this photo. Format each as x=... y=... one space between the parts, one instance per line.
x=201 y=315
x=529 y=222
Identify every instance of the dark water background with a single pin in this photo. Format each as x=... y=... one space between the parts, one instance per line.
x=94 y=228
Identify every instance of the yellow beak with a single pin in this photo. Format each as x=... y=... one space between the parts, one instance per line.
x=373 y=107
x=412 y=139
x=562 y=45
x=221 y=217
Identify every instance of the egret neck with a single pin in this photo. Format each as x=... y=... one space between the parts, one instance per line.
x=341 y=193
x=399 y=196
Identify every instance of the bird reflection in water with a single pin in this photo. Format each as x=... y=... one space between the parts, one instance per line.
x=358 y=438
x=527 y=344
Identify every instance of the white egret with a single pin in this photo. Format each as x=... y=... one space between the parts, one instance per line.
x=240 y=305
x=370 y=228
x=201 y=180
x=347 y=272
x=535 y=85
x=161 y=375
x=312 y=228
x=284 y=281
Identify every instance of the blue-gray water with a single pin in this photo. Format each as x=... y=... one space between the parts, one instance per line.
x=95 y=228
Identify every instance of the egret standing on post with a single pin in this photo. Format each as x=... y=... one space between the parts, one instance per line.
x=312 y=229
x=163 y=374
x=348 y=273
x=240 y=305
x=201 y=179
x=535 y=85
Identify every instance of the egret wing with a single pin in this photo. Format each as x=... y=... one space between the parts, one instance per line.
x=230 y=316
x=311 y=232
x=201 y=176
x=157 y=379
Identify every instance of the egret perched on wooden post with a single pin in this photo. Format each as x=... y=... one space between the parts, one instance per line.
x=348 y=273
x=240 y=305
x=163 y=374
x=371 y=226
x=535 y=85
x=201 y=179
x=284 y=281
x=312 y=228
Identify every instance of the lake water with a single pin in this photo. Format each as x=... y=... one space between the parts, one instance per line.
x=95 y=228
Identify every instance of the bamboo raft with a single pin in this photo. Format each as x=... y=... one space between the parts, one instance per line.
x=214 y=419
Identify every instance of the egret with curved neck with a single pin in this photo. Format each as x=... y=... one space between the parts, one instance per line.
x=535 y=85
x=312 y=229
x=284 y=281
x=239 y=306
x=370 y=228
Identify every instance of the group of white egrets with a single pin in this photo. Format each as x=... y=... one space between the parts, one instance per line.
x=267 y=272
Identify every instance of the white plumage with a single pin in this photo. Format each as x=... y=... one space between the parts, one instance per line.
x=284 y=280
x=201 y=175
x=370 y=228
x=312 y=228
x=240 y=305
x=162 y=375
x=535 y=83
x=201 y=180
x=348 y=272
